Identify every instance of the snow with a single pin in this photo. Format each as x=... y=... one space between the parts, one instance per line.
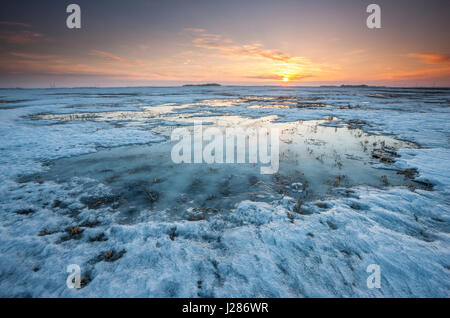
x=260 y=247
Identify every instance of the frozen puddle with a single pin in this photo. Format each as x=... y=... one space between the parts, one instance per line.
x=317 y=161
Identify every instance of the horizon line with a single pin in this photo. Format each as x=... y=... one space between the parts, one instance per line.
x=236 y=85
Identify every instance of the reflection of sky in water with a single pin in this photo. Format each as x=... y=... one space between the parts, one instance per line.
x=318 y=158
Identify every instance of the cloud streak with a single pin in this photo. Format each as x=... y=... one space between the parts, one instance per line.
x=20 y=37
x=111 y=57
x=52 y=65
x=217 y=42
x=15 y=24
x=432 y=58
x=10 y=34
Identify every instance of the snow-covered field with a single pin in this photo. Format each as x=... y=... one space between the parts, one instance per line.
x=86 y=178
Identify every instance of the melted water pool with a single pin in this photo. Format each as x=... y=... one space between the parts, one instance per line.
x=317 y=159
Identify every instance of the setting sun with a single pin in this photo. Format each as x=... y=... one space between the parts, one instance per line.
x=285 y=79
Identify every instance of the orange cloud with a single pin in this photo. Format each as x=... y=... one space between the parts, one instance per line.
x=440 y=73
x=42 y=64
x=48 y=65
x=217 y=42
x=32 y=56
x=195 y=30
x=432 y=58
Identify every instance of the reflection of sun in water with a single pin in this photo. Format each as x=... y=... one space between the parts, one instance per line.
x=285 y=79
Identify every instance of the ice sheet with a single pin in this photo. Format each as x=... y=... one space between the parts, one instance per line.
x=256 y=246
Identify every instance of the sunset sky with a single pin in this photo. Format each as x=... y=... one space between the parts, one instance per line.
x=165 y=43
